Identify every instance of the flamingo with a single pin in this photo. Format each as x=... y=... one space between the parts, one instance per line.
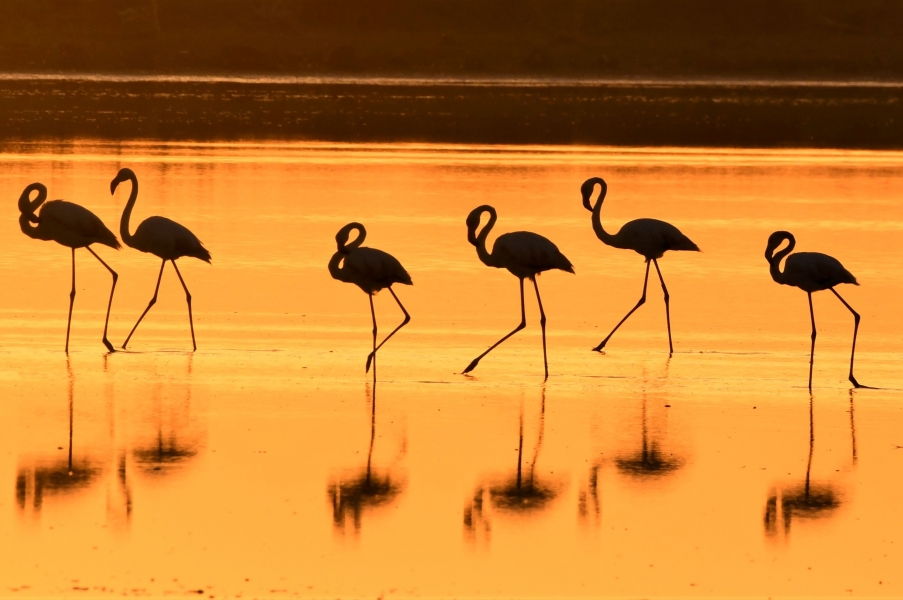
x=650 y=238
x=525 y=255
x=161 y=237
x=371 y=270
x=811 y=272
x=70 y=225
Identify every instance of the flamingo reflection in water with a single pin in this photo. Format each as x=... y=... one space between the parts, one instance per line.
x=371 y=270
x=650 y=461
x=809 y=499
x=517 y=494
x=72 y=226
x=811 y=272
x=176 y=439
x=367 y=490
x=58 y=477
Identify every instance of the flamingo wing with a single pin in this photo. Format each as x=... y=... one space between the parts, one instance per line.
x=652 y=238
x=74 y=226
x=525 y=253
x=814 y=271
x=373 y=269
x=168 y=240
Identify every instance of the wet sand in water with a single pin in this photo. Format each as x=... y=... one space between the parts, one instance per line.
x=261 y=464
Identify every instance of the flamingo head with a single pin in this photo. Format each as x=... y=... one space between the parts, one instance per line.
x=473 y=221
x=776 y=239
x=123 y=175
x=587 y=191
x=341 y=238
x=27 y=206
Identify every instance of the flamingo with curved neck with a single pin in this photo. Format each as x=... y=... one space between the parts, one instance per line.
x=525 y=255
x=161 y=237
x=811 y=272
x=371 y=270
x=650 y=238
x=72 y=226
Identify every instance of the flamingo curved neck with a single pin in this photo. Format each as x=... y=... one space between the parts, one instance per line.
x=774 y=261
x=27 y=207
x=336 y=271
x=344 y=246
x=603 y=235
x=127 y=213
x=480 y=244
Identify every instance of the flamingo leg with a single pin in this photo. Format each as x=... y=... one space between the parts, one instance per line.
x=812 y=349
x=523 y=323
x=71 y=302
x=667 y=305
x=856 y=319
x=151 y=303
x=373 y=354
x=632 y=310
x=542 y=322
x=407 y=319
x=106 y=322
x=194 y=345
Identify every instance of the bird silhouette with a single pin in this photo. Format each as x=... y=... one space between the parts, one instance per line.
x=650 y=238
x=525 y=255
x=161 y=237
x=371 y=270
x=72 y=226
x=811 y=272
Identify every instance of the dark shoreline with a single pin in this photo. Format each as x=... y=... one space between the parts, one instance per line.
x=795 y=115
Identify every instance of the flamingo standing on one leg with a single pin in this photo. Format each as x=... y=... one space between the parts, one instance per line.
x=811 y=272
x=650 y=238
x=525 y=255
x=70 y=225
x=161 y=237
x=371 y=270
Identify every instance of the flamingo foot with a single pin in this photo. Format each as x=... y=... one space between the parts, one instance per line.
x=471 y=366
x=369 y=360
x=109 y=346
x=599 y=347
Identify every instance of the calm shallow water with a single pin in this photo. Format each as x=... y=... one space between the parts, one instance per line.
x=261 y=464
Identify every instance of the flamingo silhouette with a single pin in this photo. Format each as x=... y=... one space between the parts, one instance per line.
x=525 y=255
x=650 y=238
x=811 y=272
x=161 y=237
x=371 y=270
x=70 y=225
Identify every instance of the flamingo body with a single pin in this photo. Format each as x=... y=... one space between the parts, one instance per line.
x=371 y=270
x=810 y=272
x=525 y=254
x=168 y=240
x=650 y=238
x=72 y=226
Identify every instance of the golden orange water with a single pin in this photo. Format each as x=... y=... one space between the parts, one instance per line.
x=261 y=466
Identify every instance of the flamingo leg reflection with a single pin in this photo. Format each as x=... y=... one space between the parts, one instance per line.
x=151 y=303
x=667 y=305
x=632 y=310
x=106 y=322
x=188 y=299
x=523 y=323
x=407 y=319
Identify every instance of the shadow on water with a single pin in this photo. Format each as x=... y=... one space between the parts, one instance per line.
x=520 y=493
x=45 y=477
x=368 y=488
x=809 y=499
x=176 y=440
